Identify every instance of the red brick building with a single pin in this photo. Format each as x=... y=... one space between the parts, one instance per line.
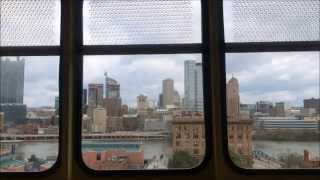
x=116 y=159
x=310 y=163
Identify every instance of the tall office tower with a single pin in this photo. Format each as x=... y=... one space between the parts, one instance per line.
x=193 y=86
x=264 y=107
x=233 y=100
x=167 y=92
x=112 y=87
x=112 y=106
x=99 y=120
x=11 y=80
x=1 y=122
x=177 y=100
x=84 y=97
x=142 y=104
x=112 y=102
x=84 y=101
x=160 y=101
x=95 y=98
x=279 y=110
x=56 y=104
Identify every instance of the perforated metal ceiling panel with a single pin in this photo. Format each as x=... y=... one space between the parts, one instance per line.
x=141 y=22
x=272 y=20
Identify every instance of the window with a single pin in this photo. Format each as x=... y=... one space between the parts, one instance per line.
x=29 y=86
x=272 y=83
x=142 y=84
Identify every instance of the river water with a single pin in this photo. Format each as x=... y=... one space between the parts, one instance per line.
x=151 y=149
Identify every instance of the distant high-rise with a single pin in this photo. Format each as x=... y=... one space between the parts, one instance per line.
x=312 y=103
x=84 y=101
x=84 y=97
x=112 y=88
x=168 y=92
x=160 y=101
x=112 y=106
x=95 y=98
x=112 y=101
x=264 y=107
x=99 y=120
x=11 y=80
x=239 y=123
x=1 y=122
x=56 y=104
x=177 y=100
x=193 y=86
x=279 y=110
x=233 y=100
x=142 y=103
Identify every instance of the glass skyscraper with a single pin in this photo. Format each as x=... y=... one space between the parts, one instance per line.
x=193 y=86
x=11 y=80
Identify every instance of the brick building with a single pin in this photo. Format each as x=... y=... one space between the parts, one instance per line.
x=310 y=163
x=115 y=157
x=188 y=133
x=239 y=123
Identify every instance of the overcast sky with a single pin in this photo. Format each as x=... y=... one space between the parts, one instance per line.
x=288 y=77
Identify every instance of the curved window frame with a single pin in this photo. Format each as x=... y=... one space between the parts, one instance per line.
x=255 y=47
x=145 y=49
x=54 y=50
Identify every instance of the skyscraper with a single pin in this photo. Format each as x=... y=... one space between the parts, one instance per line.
x=167 y=92
x=95 y=98
x=112 y=88
x=11 y=80
x=99 y=120
x=160 y=101
x=142 y=103
x=233 y=100
x=56 y=104
x=239 y=124
x=84 y=97
x=11 y=91
x=264 y=107
x=1 y=122
x=84 y=101
x=112 y=101
x=193 y=86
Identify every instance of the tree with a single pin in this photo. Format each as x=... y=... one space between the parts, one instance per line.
x=291 y=160
x=182 y=159
x=240 y=160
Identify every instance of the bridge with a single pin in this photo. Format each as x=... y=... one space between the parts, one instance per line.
x=115 y=136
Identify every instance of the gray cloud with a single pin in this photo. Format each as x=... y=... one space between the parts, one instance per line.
x=289 y=77
x=41 y=81
x=138 y=74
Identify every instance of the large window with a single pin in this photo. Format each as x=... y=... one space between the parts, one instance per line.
x=142 y=88
x=29 y=85
x=272 y=83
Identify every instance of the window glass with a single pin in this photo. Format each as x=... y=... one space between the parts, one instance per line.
x=30 y=22
x=118 y=22
x=271 y=20
x=29 y=113
x=273 y=108
x=140 y=111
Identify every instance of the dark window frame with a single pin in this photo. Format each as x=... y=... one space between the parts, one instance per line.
x=145 y=49
x=255 y=47
x=54 y=50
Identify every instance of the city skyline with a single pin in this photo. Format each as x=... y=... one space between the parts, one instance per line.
x=41 y=73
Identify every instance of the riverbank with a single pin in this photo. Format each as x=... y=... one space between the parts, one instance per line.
x=281 y=135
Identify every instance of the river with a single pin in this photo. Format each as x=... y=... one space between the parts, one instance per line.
x=151 y=149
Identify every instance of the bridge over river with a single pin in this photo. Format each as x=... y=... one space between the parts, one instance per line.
x=114 y=136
